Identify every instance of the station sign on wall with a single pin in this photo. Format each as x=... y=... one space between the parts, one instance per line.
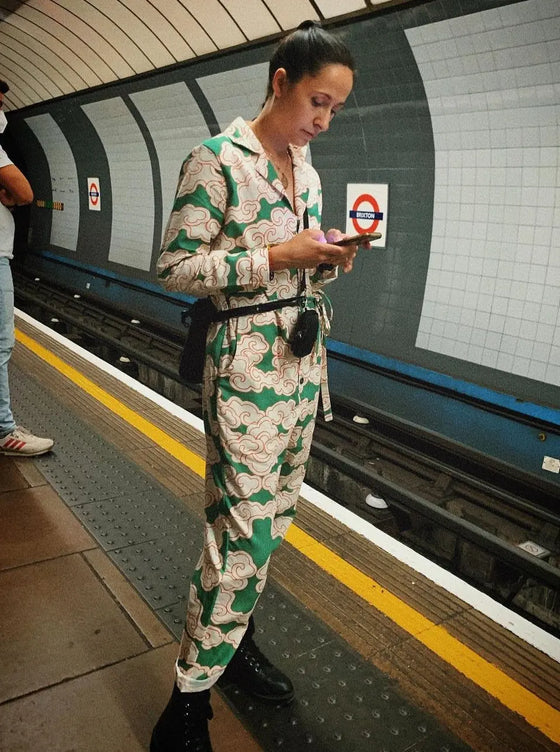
x=367 y=206
x=94 y=194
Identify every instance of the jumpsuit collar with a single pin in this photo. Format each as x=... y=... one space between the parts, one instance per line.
x=241 y=134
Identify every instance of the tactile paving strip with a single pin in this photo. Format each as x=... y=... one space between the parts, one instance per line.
x=342 y=701
x=162 y=568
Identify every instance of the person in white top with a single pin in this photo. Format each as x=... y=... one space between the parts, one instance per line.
x=14 y=191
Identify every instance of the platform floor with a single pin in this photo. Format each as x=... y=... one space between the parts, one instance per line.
x=97 y=542
x=85 y=662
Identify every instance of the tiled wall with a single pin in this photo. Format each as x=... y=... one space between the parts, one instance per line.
x=492 y=294
x=456 y=107
x=131 y=182
x=64 y=181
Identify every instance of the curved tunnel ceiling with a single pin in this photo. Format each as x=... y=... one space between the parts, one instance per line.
x=51 y=48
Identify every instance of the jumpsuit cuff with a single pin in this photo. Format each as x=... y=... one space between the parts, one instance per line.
x=185 y=683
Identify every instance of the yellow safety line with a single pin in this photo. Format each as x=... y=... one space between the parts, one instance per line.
x=171 y=445
x=435 y=637
x=486 y=675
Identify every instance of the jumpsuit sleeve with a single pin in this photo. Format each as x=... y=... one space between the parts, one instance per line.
x=189 y=262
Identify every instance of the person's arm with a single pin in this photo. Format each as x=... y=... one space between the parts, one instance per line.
x=16 y=189
x=310 y=249
x=189 y=262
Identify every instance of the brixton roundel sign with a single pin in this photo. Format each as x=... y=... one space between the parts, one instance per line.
x=94 y=194
x=366 y=210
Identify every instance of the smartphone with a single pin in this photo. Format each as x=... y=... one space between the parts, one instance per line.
x=364 y=237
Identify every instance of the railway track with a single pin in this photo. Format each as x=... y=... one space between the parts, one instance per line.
x=503 y=543
x=500 y=534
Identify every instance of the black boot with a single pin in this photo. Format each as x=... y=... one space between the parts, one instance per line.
x=253 y=672
x=183 y=725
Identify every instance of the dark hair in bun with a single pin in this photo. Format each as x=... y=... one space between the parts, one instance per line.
x=305 y=51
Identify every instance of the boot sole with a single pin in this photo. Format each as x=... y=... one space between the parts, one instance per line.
x=225 y=681
x=279 y=700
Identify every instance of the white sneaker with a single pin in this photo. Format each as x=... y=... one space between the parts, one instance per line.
x=22 y=442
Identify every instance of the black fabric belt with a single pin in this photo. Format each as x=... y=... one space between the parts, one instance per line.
x=271 y=305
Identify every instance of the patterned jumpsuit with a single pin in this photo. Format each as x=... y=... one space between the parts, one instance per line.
x=259 y=400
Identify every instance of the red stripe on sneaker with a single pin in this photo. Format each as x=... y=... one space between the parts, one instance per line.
x=14 y=444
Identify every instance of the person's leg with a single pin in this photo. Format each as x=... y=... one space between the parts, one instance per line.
x=7 y=423
x=256 y=461
x=256 y=456
x=239 y=537
x=231 y=572
x=249 y=668
x=14 y=440
x=247 y=443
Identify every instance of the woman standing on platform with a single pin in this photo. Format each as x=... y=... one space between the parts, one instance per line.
x=245 y=230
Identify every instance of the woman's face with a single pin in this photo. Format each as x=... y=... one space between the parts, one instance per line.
x=308 y=106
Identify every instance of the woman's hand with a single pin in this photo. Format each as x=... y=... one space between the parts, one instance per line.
x=310 y=248
x=335 y=235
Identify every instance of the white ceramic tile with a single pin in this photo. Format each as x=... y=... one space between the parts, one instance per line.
x=505 y=362
x=521 y=366
x=541 y=352
x=537 y=369
x=489 y=358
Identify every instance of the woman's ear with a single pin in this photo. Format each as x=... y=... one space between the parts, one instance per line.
x=279 y=82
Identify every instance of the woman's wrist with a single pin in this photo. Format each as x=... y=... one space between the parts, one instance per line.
x=276 y=261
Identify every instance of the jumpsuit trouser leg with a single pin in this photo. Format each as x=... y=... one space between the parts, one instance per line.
x=255 y=467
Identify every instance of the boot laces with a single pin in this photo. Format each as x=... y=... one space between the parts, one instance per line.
x=192 y=714
x=195 y=718
x=251 y=653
